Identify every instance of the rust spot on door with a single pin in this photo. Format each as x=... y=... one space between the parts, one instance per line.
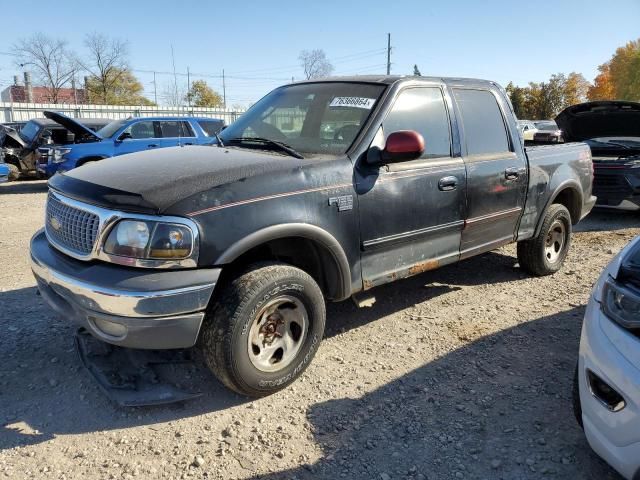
x=424 y=267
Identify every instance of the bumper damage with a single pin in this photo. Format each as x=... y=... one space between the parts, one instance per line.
x=129 y=307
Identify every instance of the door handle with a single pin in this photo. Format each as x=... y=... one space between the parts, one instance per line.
x=151 y=145
x=512 y=173
x=446 y=184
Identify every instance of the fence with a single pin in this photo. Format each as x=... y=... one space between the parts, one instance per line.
x=22 y=112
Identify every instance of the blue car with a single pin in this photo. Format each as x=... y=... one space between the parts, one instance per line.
x=125 y=136
x=4 y=172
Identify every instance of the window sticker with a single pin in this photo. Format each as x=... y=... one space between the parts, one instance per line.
x=355 y=102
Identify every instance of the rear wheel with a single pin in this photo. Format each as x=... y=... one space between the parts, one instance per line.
x=545 y=253
x=263 y=329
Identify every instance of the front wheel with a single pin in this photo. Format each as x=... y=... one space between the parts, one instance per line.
x=545 y=253
x=263 y=329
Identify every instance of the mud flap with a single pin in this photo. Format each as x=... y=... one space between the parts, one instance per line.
x=131 y=377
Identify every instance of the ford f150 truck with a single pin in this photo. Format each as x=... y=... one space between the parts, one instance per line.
x=321 y=190
x=126 y=136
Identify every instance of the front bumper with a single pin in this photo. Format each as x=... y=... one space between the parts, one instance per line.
x=130 y=307
x=617 y=187
x=613 y=354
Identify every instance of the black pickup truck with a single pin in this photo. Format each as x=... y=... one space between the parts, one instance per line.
x=322 y=190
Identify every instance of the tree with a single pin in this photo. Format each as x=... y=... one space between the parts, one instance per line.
x=52 y=63
x=576 y=89
x=416 y=71
x=202 y=95
x=517 y=97
x=106 y=63
x=315 y=64
x=602 y=88
x=124 y=89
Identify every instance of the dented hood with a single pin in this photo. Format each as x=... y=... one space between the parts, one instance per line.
x=9 y=138
x=73 y=126
x=600 y=119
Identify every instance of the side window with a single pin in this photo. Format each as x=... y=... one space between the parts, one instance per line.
x=175 y=128
x=484 y=129
x=423 y=110
x=141 y=130
x=211 y=127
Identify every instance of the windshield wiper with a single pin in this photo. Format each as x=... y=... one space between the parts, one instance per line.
x=267 y=142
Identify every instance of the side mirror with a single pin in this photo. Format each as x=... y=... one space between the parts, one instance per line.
x=124 y=136
x=402 y=146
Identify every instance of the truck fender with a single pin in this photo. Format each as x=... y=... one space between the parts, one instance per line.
x=567 y=184
x=302 y=230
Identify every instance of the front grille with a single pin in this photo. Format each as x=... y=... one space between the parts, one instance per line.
x=71 y=228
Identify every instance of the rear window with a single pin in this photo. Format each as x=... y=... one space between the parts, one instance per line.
x=484 y=129
x=211 y=127
x=172 y=129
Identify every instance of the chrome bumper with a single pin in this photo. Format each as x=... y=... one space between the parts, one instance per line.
x=131 y=307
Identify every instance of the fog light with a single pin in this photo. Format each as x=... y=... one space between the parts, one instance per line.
x=108 y=328
x=605 y=393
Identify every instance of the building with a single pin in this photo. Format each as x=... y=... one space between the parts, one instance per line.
x=27 y=93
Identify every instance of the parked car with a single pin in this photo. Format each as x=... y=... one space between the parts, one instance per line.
x=20 y=149
x=528 y=129
x=4 y=172
x=612 y=130
x=237 y=247
x=127 y=136
x=607 y=381
x=547 y=132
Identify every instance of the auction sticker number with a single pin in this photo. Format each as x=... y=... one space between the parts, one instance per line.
x=356 y=102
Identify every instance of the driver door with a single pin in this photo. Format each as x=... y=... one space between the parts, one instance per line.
x=412 y=213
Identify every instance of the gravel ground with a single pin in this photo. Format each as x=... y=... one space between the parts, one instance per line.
x=464 y=372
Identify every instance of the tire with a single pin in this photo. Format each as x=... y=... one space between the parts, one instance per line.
x=14 y=172
x=238 y=341
x=577 y=404
x=545 y=253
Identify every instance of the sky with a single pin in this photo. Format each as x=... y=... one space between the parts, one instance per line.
x=258 y=43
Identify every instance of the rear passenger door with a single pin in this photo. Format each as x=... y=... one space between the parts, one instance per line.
x=496 y=175
x=176 y=132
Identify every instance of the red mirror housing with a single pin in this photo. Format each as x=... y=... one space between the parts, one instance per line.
x=403 y=145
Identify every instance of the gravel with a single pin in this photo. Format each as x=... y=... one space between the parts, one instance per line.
x=464 y=372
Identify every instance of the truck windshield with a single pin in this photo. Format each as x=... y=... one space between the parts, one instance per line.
x=111 y=128
x=312 y=118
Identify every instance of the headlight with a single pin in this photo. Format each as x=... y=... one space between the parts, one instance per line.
x=621 y=304
x=150 y=240
x=59 y=153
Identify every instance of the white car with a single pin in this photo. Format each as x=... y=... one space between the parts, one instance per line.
x=607 y=390
x=528 y=129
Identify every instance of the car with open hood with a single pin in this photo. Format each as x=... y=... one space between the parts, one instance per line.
x=322 y=190
x=612 y=130
x=124 y=136
x=25 y=148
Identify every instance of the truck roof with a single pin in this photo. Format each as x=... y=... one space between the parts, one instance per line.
x=391 y=79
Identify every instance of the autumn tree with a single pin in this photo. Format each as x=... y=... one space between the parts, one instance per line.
x=202 y=95
x=124 y=89
x=50 y=60
x=106 y=62
x=576 y=89
x=315 y=64
x=602 y=88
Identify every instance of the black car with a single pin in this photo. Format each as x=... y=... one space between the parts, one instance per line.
x=612 y=130
x=547 y=132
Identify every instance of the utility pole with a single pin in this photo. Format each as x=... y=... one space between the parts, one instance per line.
x=188 y=87
x=224 y=91
x=388 y=54
x=155 y=90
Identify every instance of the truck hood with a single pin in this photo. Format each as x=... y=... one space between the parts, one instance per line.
x=152 y=181
x=9 y=138
x=600 y=119
x=79 y=130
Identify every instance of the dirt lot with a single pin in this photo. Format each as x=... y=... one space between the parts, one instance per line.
x=464 y=372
